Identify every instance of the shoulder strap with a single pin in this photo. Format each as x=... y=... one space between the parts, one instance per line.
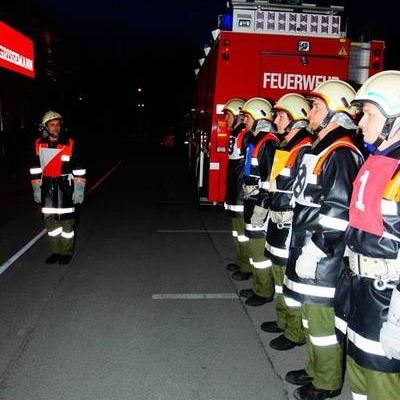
x=239 y=140
x=392 y=190
x=295 y=151
x=37 y=146
x=343 y=142
x=67 y=149
x=269 y=136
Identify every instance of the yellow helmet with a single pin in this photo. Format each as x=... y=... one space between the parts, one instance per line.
x=49 y=115
x=258 y=108
x=234 y=106
x=337 y=95
x=295 y=105
x=383 y=90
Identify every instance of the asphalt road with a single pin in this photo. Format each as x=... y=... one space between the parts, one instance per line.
x=146 y=309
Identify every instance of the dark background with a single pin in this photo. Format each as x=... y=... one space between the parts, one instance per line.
x=100 y=53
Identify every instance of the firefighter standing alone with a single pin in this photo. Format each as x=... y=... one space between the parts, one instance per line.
x=58 y=183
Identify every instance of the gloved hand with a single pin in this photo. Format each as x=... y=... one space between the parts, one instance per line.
x=37 y=191
x=390 y=331
x=281 y=217
x=79 y=192
x=258 y=218
x=306 y=264
x=250 y=190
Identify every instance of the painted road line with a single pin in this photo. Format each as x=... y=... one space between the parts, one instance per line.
x=19 y=253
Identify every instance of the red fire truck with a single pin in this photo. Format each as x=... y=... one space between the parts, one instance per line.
x=272 y=48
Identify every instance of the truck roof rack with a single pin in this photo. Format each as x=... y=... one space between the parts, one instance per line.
x=287 y=6
x=287 y=19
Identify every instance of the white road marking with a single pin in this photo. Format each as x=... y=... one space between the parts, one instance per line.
x=194 y=296
x=19 y=253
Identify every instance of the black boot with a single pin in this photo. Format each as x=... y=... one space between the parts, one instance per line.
x=310 y=392
x=298 y=377
x=247 y=293
x=241 y=276
x=283 y=343
x=52 y=258
x=257 y=300
x=65 y=259
x=271 y=326
x=232 y=267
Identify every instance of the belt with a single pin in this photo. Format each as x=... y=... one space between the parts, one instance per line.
x=374 y=268
x=281 y=216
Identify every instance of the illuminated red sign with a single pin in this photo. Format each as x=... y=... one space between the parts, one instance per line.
x=16 y=51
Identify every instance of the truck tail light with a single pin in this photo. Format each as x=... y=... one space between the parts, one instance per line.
x=222 y=136
x=225 y=51
x=376 y=57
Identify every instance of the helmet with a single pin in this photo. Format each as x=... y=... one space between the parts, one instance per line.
x=234 y=106
x=49 y=116
x=337 y=95
x=383 y=90
x=258 y=108
x=295 y=105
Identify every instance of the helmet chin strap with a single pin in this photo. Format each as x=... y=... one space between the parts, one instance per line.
x=390 y=127
x=294 y=125
x=324 y=123
x=288 y=128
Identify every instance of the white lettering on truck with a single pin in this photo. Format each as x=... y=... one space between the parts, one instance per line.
x=277 y=80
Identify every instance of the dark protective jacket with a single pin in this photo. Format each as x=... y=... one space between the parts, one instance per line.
x=360 y=307
x=234 y=178
x=278 y=228
x=322 y=192
x=259 y=150
x=57 y=165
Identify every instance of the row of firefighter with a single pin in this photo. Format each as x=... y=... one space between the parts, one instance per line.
x=312 y=196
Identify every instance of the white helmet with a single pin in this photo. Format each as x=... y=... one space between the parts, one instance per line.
x=258 y=108
x=295 y=105
x=50 y=115
x=234 y=106
x=297 y=108
x=383 y=90
x=337 y=95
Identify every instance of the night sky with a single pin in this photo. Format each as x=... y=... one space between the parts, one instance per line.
x=119 y=45
x=115 y=46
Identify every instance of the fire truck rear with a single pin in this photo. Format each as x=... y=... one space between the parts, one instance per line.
x=267 y=49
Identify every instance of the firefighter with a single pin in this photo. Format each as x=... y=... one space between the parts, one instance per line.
x=259 y=149
x=321 y=192
x=234 y=180
x=291 y=120
x=367 y=300
x=58 y=183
